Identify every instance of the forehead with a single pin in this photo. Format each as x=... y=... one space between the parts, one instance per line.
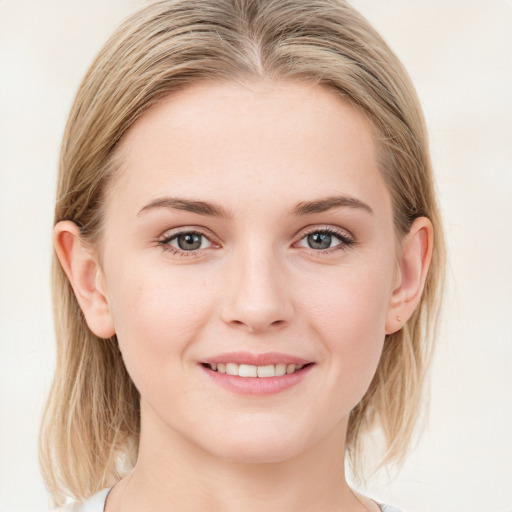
x=234 y=141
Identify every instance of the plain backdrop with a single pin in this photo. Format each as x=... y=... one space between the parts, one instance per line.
x=459 y=54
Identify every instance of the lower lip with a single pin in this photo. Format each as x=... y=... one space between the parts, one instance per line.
x=258 y=386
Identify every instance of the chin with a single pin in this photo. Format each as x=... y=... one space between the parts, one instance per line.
x=265 y=444
x=259 y=454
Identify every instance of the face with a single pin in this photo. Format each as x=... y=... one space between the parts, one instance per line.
x=249 y=231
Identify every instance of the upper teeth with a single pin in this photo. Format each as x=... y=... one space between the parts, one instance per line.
x=249 y=370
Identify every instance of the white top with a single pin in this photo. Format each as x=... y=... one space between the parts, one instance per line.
x=97 y=502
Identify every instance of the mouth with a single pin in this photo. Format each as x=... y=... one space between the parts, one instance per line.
x=253 y=371
x=257 y=375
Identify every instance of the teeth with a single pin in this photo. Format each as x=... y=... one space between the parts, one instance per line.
x=267 y=371
x=249 y=370
x=280 y=369
x=232 y=369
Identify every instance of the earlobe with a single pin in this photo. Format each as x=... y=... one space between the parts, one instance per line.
x=84 y=273
x=414 y=263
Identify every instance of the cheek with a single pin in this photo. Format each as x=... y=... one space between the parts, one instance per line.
x=354 y=299
x=156 y=316
x=349 y=316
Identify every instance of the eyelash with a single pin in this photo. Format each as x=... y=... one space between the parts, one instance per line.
x=167 y=238
x=346 y=240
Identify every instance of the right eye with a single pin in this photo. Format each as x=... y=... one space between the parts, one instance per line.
x=185 y=243
x=189 y=241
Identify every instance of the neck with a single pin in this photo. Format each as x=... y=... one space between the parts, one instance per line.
x=174 y=474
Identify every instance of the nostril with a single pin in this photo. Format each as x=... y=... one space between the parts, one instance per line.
x=258 y=326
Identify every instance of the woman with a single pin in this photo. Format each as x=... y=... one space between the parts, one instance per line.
x=246 y=279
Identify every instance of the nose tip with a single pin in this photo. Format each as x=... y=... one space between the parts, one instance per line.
x=259 y=299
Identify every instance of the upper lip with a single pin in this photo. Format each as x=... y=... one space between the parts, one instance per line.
x=251 y=358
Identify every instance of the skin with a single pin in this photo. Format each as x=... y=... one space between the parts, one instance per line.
x=256 y=150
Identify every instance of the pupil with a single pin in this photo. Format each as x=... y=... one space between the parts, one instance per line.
x=319 y=240
x=189 y=242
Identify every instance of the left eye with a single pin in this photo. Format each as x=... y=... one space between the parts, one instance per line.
x=189 y=241
x=321 y=240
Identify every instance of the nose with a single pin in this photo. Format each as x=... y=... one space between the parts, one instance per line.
x=259 y=297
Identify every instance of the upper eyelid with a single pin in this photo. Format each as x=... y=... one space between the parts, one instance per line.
x=174 y=232
x=336 y=230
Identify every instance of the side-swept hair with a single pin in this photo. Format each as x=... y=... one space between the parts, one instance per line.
x=91 y=422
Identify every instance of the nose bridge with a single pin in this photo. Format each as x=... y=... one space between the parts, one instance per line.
x=259 y=298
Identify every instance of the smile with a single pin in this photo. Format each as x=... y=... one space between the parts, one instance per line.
x=249 y=370
x=257 y=375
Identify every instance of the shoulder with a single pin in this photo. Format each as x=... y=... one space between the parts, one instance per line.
x=95 y=503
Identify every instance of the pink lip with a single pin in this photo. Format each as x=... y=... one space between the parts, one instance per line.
x=255 y=386
x=255 y=359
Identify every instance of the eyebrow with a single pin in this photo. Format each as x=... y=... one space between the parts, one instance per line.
x=214 y=210
x=328 y=203
x=188 y=205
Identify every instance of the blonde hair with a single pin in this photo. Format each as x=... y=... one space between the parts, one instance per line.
x=91 y=423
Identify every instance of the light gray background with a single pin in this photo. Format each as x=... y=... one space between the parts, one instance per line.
x=459 y=54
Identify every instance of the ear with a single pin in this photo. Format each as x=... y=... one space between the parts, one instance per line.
x=80 y=263
x=414 y=262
